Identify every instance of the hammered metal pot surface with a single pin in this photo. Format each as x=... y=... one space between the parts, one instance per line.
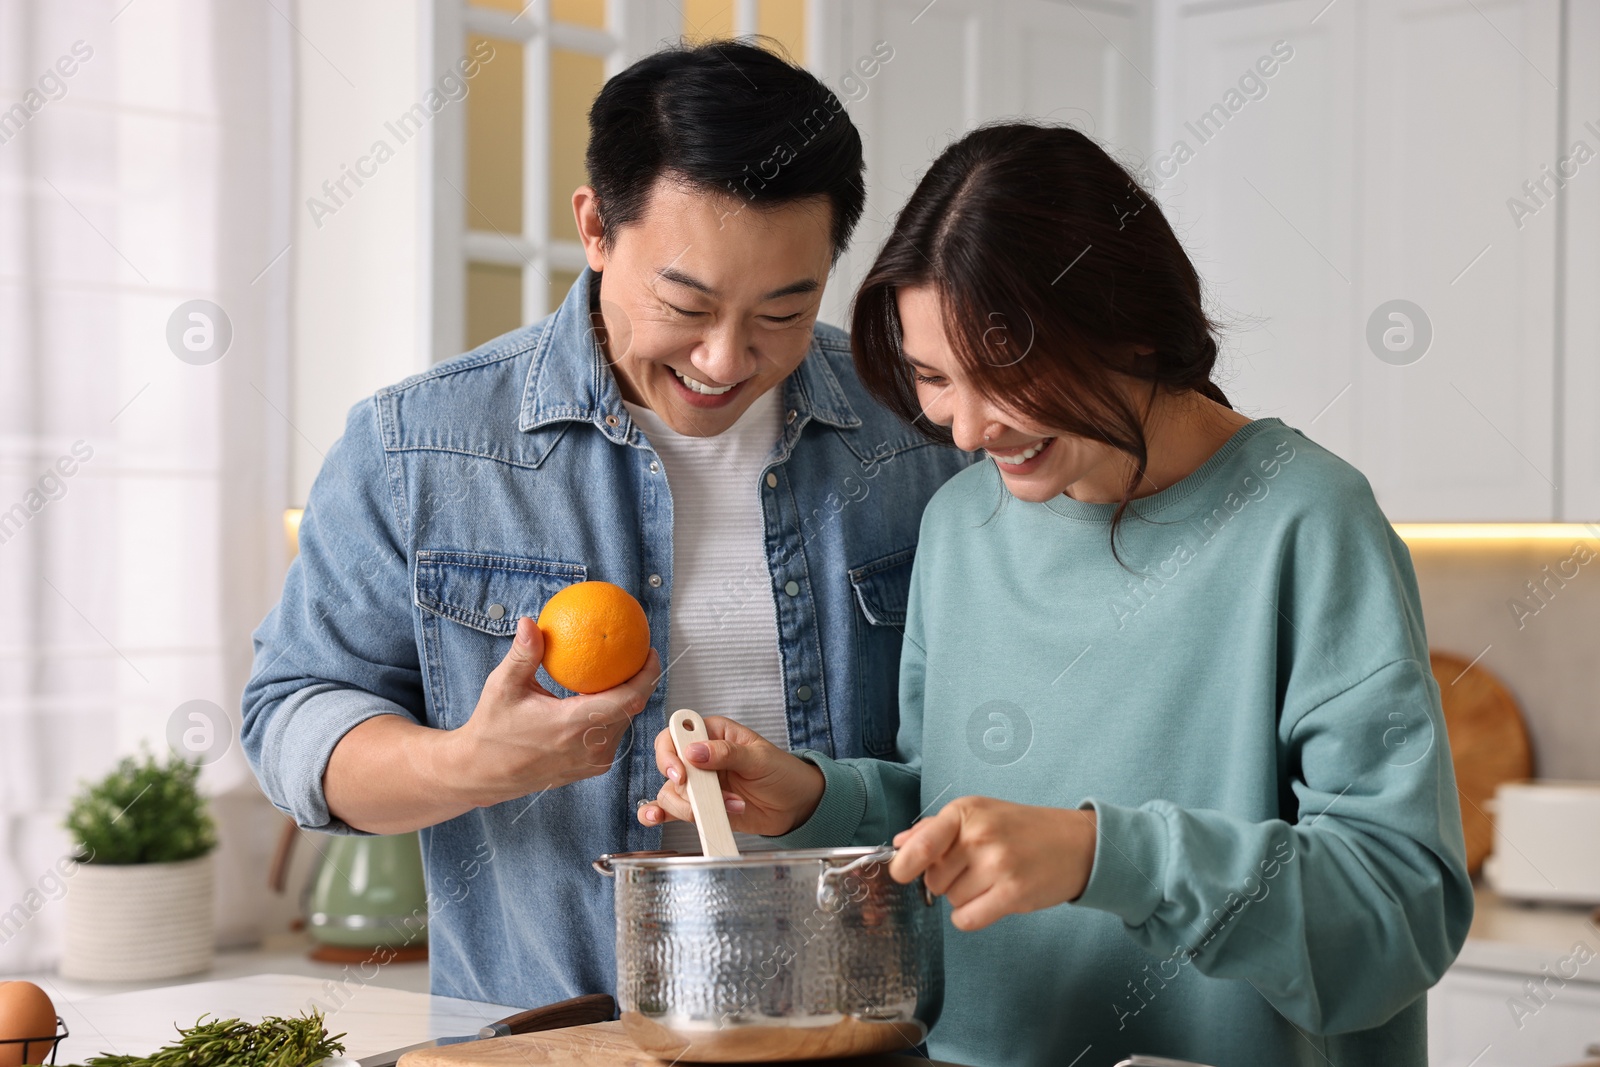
x=773 y=956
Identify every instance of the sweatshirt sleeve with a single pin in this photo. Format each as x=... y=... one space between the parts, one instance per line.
x=339 y=648
x=1344 y=910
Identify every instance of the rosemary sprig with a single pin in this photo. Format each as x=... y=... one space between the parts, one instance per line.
x=273 y=1042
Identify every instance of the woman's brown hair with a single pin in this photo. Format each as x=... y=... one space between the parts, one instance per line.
x=1054 y=268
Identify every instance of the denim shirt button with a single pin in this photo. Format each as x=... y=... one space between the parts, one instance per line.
x=612 y=420
x=804 y=692
x=655 y=468
x=792 y=588
x=772 y=480
x=655 y=581
x=790 y=417
x=497 y=612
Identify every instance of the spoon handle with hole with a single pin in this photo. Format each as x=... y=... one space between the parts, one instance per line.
x=703 y=787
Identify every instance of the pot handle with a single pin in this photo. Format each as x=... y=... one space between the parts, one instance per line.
x=827 y=891
x=605 y=866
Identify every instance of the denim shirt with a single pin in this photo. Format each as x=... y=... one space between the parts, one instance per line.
x=460 y=500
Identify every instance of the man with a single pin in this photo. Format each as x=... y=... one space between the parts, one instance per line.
x=679 y=427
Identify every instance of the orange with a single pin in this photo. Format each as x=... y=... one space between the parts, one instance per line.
x=595 y=636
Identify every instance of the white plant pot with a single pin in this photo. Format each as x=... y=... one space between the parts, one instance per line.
x=133 y=922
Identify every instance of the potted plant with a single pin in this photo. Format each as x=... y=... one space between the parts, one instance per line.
x=140 y=906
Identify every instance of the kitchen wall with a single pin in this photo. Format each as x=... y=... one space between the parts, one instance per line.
x=1545 y=651
x=359 y=251
x=248 y=912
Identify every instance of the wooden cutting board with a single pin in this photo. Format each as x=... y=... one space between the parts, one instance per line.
x=1488 y=743
x=598 y=1045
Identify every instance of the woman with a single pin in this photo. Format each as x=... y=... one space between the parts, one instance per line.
x=1166 y=711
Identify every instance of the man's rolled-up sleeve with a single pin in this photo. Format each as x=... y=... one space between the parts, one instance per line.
x=340 y=647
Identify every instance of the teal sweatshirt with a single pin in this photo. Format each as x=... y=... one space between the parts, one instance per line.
x=1245 y=701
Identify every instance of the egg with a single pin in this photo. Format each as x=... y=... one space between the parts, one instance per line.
x=25 y=1011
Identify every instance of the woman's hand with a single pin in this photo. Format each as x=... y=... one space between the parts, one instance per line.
x=993 y=858
x=767 y=790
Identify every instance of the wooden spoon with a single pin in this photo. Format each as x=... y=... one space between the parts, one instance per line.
x=703 y=787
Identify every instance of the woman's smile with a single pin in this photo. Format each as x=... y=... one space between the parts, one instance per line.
x=1022 y=459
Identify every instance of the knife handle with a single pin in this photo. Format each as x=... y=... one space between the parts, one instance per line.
x=579 y=1011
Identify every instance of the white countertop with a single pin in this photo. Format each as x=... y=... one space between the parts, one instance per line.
x=1521 y=938
x=285 y=953
x=373 y=1017
x=392 y=1008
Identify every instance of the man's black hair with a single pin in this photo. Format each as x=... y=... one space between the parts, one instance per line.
x=725 y=116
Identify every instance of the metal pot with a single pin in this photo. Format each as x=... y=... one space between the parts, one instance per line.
x=773 y=955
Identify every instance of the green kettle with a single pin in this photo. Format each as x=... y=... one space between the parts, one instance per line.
x=369 y=893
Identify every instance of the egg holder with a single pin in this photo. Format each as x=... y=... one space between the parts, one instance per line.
x=54 y=1040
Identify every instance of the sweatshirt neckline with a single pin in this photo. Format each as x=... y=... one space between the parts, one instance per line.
x=1083 y=511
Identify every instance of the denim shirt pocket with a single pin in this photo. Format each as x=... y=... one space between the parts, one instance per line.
x=469 y=604
x=881 y=590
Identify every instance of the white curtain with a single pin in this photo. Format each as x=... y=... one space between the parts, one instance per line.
x=145 y=162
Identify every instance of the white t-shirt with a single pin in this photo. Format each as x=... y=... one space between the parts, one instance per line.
x=723 y=629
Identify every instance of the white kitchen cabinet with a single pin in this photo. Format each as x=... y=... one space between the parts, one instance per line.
x=1263 y=198
x=1579 y=387
x=1376 y=167
x=959 y=63
x=1460 y=110
x=1471 y=1021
